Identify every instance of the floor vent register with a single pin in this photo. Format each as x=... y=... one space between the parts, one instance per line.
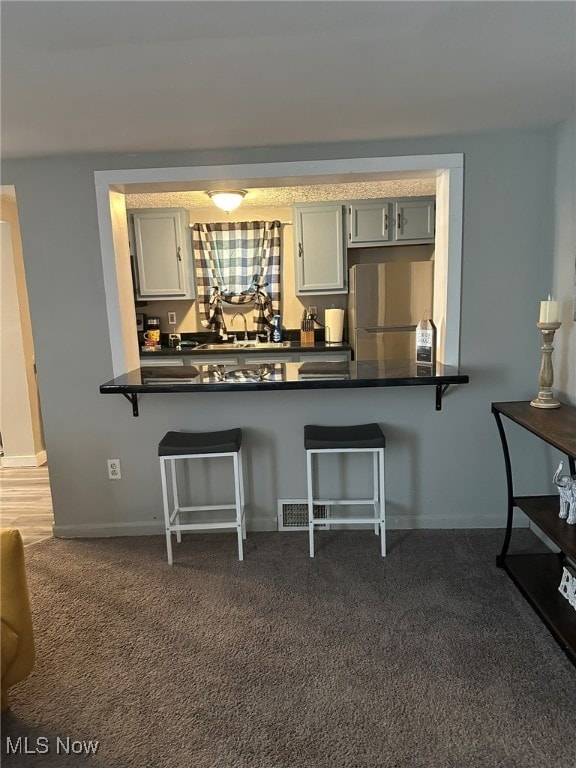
x=293 y=514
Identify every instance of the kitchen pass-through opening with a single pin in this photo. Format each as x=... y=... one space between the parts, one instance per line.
x=112 y=186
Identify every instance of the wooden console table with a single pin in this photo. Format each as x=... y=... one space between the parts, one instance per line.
x=538 y=575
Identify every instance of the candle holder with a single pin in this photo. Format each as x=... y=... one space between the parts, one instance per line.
x=545 y=398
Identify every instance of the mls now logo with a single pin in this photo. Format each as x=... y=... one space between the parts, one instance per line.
x=41 y=745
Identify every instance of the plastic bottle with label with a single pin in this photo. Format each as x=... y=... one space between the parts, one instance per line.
x=277 y=329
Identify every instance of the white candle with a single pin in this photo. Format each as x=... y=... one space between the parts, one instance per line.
x=549 y=311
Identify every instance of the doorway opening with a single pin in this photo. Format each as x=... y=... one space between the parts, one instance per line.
x=25 y=496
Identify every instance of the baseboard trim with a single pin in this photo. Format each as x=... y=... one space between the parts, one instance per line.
x=153 y=528
x=412 y=522
x=156 y=527
x=36 y=460
x=105 y=530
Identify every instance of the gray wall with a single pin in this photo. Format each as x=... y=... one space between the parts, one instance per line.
x=443 y=469
x=564 y=284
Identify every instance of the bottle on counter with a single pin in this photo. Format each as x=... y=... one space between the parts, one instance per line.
x=426 y=340
x=277 y=329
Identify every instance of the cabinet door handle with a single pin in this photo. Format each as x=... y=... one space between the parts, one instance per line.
x=178 y=254
x=399 y=221
x=385 y=223
x=300 y=250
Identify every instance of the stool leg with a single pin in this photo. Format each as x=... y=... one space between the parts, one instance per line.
x=166 y=509
x=176 y=499
x=310 y=486
x=382 y=503
x=242 y=500
x=237 y=494
x=377 y=515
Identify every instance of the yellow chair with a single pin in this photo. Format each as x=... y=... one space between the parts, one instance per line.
x=17 y=638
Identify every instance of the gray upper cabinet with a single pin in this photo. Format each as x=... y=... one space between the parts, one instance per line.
x=372 y=223
x=319 y=250
x=369 y=222
x=414 y=220
x=161 y=247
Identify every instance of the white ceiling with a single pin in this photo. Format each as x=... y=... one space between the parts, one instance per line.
x=155 y=76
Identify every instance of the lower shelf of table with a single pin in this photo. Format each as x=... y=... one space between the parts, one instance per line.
x=543 y=511
x=538 y=578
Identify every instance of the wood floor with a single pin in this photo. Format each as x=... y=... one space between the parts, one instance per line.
x=26 y=502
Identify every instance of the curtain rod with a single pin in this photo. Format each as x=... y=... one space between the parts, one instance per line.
x=284 y=223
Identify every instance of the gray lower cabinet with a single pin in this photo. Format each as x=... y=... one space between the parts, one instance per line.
x=327 y=357
x=160 y=362
x=280 y=357
x=372 y=223
x=297 y=357
x=246 y=360
x=233 y=359
x=319 y=251
x=161 y=249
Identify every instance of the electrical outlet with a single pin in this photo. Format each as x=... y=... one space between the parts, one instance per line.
x=114 y=471
x=171 y=318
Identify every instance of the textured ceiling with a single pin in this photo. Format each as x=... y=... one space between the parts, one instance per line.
x=282 y=197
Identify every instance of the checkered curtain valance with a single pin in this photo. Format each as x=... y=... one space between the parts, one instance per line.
x=237 y=263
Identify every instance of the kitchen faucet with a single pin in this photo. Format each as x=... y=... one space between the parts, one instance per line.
x=245 y=324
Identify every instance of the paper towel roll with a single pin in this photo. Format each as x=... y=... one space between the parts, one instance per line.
x=334 y=322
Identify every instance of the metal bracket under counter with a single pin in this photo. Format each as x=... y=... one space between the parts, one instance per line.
x=132 y=397
x=440 y=392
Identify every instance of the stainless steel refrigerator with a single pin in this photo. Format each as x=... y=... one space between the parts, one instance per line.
x=385 y=304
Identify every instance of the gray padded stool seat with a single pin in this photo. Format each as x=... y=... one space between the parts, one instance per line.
x=361 y=438
x=175 y=443
x=185 y=446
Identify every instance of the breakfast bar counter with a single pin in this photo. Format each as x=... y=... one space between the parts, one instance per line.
x=276 y=376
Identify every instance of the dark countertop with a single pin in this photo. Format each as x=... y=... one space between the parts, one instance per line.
x=295 y=346
x=313 y=375
x=282 y=376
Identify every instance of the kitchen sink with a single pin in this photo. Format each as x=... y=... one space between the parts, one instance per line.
x=240 y=375
x=242 y=345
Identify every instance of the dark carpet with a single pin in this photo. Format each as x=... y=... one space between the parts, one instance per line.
x=429 y=658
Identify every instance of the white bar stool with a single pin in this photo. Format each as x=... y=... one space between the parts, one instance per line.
x=180 y=446
x=362 y=438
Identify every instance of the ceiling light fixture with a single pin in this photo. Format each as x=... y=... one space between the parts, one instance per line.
x=227 y=199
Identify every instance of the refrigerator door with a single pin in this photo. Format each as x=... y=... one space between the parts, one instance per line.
x=394 y=294
x=374 y=344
